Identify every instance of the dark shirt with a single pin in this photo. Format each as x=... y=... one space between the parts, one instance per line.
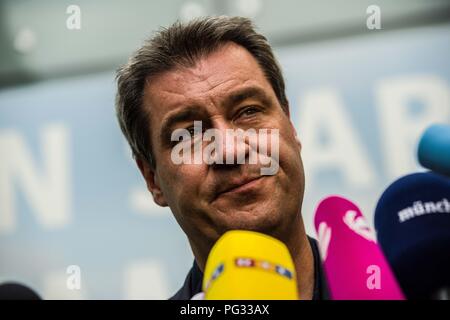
x=193 y=283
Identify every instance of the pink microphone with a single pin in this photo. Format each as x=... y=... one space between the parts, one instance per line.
x=355 y=267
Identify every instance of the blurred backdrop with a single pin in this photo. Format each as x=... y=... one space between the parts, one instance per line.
x=364 y=78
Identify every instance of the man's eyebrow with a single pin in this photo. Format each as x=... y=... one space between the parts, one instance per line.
x=193 y=112
x=187 y=114
x=246 y=93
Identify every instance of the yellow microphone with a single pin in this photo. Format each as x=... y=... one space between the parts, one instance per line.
x=247 y=265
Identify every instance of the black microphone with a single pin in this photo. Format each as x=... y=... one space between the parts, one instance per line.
x=412 y=220
x=16 y=291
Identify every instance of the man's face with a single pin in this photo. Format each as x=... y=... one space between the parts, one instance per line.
x=224 y=90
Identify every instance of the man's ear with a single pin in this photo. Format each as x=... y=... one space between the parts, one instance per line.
x=152 y=182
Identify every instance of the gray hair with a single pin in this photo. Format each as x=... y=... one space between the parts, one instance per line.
x=182 y=45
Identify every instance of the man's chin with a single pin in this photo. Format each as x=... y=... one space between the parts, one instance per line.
x=267 y=224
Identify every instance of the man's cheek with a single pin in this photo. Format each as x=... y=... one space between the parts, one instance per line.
x=290 y=164
x=186 y=179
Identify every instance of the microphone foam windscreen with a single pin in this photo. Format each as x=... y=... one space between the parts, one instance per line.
x=434 y=148
x=355 y=266
x=412 y=220
x=250 y=266
x=16 y=291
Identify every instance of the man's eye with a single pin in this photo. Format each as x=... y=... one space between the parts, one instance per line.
x=184 y=139
x=249 y=111
x=192 y=131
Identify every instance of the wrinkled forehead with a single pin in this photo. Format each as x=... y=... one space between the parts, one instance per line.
x=212 y=77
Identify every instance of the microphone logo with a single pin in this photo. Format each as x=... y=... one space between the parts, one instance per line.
x=324 y=234
x=217 y=272
x=358 y=225
x=264 y=265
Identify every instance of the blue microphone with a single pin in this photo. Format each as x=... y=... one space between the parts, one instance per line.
x=412 y=220
x=434 y=148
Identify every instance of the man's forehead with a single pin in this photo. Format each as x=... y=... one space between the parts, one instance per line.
x=229 y=65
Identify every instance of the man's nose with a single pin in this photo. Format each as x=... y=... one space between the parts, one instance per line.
x=233 y=145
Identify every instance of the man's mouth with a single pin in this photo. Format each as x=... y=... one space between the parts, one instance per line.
x=242 y=186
